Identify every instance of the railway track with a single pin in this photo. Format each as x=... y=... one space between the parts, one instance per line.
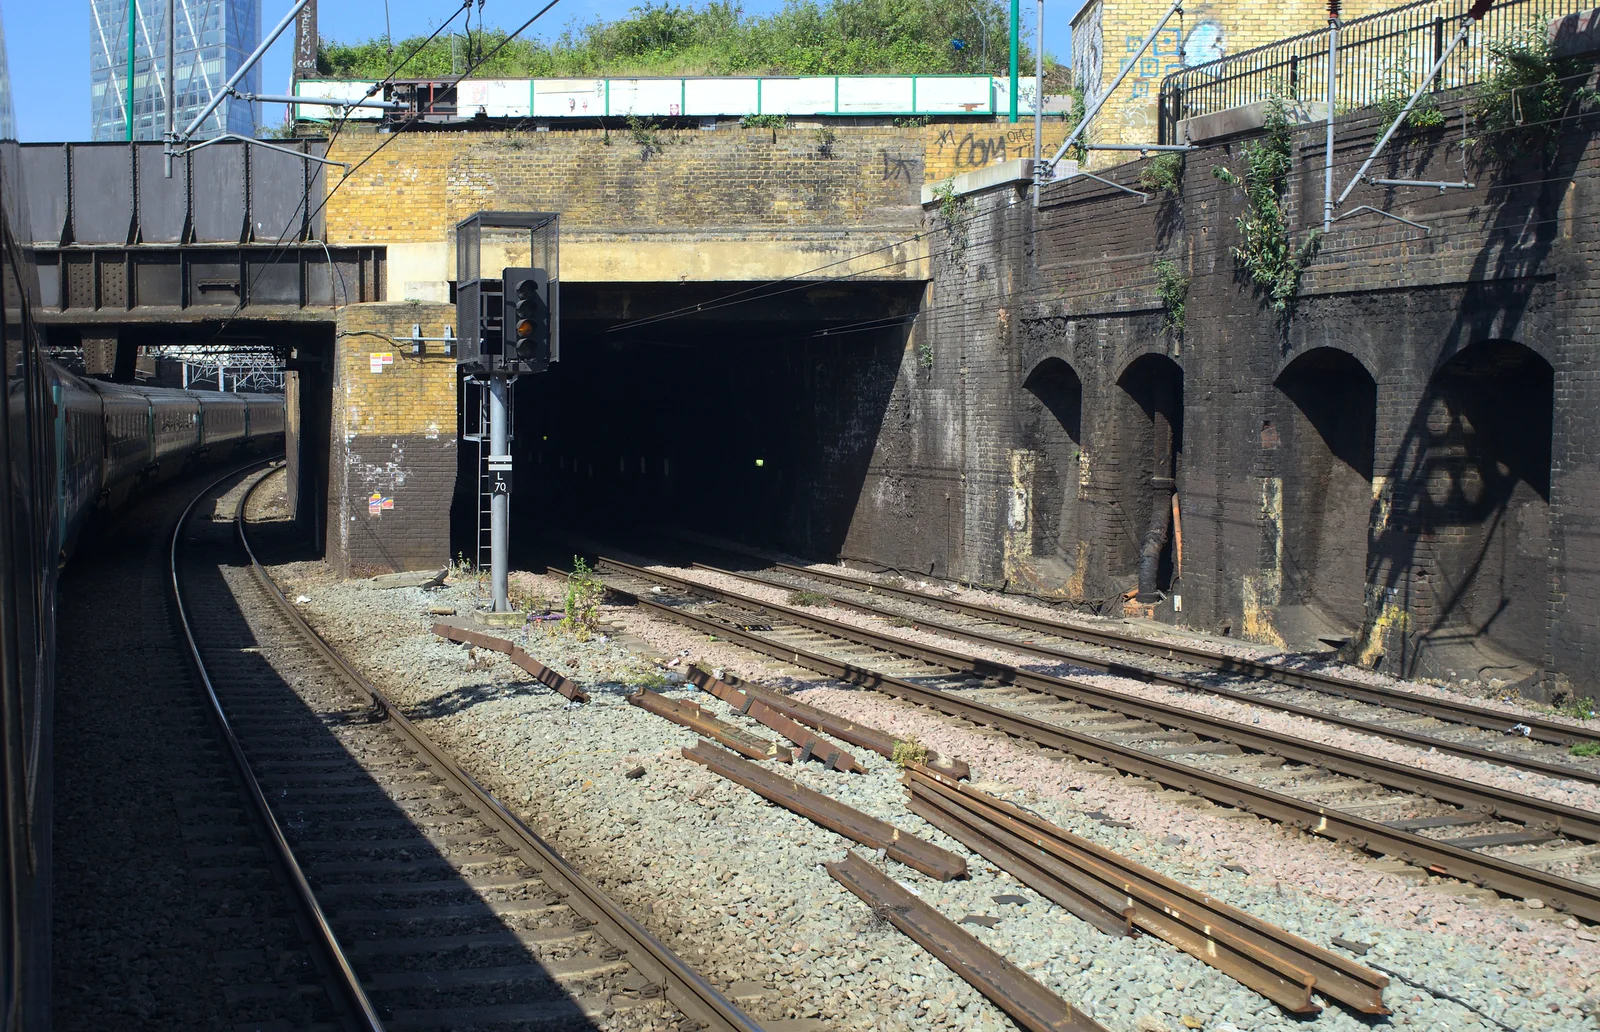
x=1456 y=727
x=435 y=906
x=1515 y=844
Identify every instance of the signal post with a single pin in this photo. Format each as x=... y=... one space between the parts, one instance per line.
x=507 y=303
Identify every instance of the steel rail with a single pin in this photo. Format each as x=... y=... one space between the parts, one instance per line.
x=1535 y=813
x=1484 y=717
x=1276 y=963
x=349 y=983
x=686 y=988
x=1401 y=735
x=1438 y=857
x=1022 y=997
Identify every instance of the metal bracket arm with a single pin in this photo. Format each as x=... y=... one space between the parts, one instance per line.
x=1142 y=148
x=1099 y=179
x=1094 y=109
x=1386 y=214
x=264 y=98
x=261 y=143
x=1442 y=187
x=1361 y=173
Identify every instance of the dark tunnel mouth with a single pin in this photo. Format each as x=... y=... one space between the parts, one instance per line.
x=756 y=422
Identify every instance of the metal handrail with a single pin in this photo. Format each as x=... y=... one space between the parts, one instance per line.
x=1379 y=55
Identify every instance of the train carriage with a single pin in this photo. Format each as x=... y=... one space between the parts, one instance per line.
x=223 y=422
x=80 y=452
x=267 y=415
x=175 y=430
x=129 y=447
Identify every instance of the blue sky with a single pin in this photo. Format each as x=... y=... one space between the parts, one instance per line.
x=48 y=46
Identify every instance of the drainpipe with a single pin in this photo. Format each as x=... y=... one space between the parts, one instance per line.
x=1333 y=78
x=1016 y=28
x=1162 y=487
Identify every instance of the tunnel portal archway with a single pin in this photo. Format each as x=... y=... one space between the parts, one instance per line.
x=1328 y=440
x=1052 y=428
x=1484 y=496
x=1149 y=446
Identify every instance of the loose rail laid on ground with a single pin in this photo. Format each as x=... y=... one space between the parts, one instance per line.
x=1440 y=857
x=831 y=814
x=629 y=945
x=1098 y=882
x=1030 y=1004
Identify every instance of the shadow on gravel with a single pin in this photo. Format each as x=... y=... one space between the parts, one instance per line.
x=471 y=695
x=445 y=924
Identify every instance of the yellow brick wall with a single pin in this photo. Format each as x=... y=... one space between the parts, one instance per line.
x=392 y=457
x=1130 y=115
x=953 y=148
x=413 y=395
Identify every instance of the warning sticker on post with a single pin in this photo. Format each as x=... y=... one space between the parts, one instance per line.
x=379 y=360
x=377 y=503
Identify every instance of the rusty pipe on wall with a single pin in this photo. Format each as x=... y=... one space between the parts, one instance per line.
x=1162 y=487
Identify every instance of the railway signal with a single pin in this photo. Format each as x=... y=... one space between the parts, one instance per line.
x=526 y=319
x=510 y=328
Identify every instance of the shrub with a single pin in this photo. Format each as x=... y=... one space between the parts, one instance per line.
x=1266 y=255
x=585 y=592
x=1163 y=173
x=1517 y=108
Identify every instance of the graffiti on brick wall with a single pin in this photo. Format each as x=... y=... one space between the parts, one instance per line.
x=895 y=167
x=956 y=149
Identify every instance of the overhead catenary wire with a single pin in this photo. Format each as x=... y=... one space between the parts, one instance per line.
x=804 y=279
x=390 y=138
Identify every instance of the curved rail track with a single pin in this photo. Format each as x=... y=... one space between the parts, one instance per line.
x=436 y=906
x=1513 y=843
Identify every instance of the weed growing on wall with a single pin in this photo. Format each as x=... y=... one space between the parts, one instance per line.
x=1266 y=254
x=954 y=210
x=1163 y=173
x=925 y=352
x=765 y=121
x=1516 y=111
x=1397 y=89
x=645 y=132
x=1172 y=286
x=825 y=139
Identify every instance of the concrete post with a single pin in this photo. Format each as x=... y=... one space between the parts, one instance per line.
x=500 y=500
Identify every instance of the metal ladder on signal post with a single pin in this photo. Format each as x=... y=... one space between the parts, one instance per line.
x=475 y=398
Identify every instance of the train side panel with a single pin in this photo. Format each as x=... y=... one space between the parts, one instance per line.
x=222 y=421
x=267 y=415
x=80 y=453
x=130 y=450
x=176 y=431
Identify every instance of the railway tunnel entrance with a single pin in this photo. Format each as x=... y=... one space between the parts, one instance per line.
x=748 y=413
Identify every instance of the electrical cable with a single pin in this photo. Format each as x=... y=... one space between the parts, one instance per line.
x=279 y=246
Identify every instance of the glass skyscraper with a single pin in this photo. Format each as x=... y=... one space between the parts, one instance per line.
x=213 y=37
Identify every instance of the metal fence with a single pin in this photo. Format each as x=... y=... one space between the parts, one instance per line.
x=1380 y=56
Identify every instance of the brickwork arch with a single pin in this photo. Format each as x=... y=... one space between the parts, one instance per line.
x=1050 y=416
x=1325 y=430
x=1470 y=508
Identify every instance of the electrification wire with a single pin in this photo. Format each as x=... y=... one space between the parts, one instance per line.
x=743 y=296
x=390 y=138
